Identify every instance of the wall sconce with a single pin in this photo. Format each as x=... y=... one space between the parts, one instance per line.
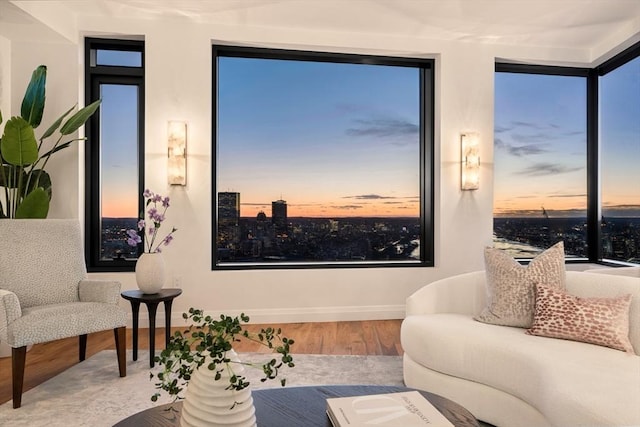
x=470 y=143
x=177 y=153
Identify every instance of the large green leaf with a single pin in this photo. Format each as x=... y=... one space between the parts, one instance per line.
x=56 y=124
x=33 y=101
x=60 y=147
x=19 y=146
x=35 y=205
x=40 y=178
x=79 y=118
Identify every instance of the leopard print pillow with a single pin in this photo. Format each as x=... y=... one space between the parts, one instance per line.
x=600 y=321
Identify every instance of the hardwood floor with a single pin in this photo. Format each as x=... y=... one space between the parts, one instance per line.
x=379 y=337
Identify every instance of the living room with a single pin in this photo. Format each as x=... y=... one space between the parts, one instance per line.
x=178 y=39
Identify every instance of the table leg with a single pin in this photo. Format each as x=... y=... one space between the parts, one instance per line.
x=152 y=307
x=135 y=309
x=167 y=322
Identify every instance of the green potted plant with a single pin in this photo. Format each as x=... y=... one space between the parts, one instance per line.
x=27 y=186
x=201 y=360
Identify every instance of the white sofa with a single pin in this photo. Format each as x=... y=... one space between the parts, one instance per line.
x=508 y=378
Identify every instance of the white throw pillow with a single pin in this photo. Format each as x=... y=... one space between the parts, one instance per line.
x=511 y=286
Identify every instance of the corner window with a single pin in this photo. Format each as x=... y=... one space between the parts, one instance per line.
x=540 y=158
x=322 y=160
x=567 y=145
x=114 y=152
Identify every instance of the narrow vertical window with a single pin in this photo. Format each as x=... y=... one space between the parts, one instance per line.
x=114 y=157
x=619 y=109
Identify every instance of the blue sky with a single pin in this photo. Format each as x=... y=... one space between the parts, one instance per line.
x=540 y=143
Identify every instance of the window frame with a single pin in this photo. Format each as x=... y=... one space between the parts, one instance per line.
x=426 y=161
x=612 y=64
x=594 y=235
x=95 y=75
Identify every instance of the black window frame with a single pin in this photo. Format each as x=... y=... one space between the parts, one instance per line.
x=95 y=75
x=594 y=235
x=426 y=161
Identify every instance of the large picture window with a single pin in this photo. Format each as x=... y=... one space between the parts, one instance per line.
x=115 y=152
x=321 y=159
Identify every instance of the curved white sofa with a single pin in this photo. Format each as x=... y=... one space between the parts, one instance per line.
x=510 y=379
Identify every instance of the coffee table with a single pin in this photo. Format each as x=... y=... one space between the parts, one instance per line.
x=300 y=407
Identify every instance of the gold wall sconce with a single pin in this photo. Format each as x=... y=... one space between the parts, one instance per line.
x=470 y=176
x=177 y=153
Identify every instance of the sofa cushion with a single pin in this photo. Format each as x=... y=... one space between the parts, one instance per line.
x=572 y=383
x=510 y=285
x=600 y=321
x=56 y=321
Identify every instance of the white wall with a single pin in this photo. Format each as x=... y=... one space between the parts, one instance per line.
x=179 y=87
x=5 y=80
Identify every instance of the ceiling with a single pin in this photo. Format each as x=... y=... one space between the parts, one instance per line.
x=570 y=24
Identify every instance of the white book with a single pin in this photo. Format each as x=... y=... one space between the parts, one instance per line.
x=402 y=409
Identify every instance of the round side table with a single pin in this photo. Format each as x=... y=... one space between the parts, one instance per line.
x=135 y=297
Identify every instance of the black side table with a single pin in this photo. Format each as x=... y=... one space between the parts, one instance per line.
x=151 y=300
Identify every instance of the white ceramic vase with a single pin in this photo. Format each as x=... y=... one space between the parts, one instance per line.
x=207 y=403
x=150 y=273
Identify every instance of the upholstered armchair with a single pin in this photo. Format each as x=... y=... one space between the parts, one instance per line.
x=45 y=294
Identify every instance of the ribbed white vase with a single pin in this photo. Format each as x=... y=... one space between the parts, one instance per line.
x=150 y=272
x=207 y=403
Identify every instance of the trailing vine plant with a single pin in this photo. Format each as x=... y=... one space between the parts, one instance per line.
x=207 y=340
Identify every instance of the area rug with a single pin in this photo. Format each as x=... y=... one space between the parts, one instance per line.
x=91 y=393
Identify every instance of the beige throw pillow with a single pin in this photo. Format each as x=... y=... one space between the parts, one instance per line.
x=600 y=321
x=511 y=286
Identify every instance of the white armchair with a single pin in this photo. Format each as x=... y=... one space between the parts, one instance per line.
x=45 y=294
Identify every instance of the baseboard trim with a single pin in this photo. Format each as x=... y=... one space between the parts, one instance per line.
x=290 y=315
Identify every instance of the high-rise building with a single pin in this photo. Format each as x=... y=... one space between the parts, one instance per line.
x=228 y=208
x=279 y=217
x=228 y=220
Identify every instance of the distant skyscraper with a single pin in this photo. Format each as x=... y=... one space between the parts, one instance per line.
x=228 y=221
x=228 y=209
x=279 y=216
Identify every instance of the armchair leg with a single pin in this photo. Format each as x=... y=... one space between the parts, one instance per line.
x=120 y=335
x=82 y=347
x=18 y=358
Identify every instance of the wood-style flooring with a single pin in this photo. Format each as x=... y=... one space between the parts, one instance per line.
x=379 y=337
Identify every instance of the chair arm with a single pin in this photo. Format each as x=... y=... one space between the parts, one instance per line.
x=105 y=291
x=462 y=294
x=10 y=310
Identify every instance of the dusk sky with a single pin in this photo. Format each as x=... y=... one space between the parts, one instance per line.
x=118 y=119
x=332 y=140
x=342 y=140
x=540 y=144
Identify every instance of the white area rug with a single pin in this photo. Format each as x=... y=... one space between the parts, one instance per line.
x=92 y=394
